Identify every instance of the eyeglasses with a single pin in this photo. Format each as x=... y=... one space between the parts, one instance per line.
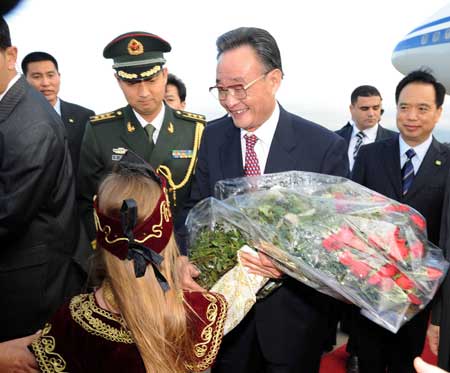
x=238 y=91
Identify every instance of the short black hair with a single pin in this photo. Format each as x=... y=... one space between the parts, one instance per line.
x=262 y=42
x=425 y=77
x=37 y=57
x=177 y=82
x=364 y=91
x=5 y=36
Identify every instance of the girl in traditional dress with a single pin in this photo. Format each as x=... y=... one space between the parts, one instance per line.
x=138 y=319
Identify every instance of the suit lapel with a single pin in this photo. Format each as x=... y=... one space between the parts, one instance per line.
x=380 y=133
x=283 y=142
x=392 y=165
x=348 y=129
x=431 y=164
x=67 y=120
x=65 y=113
x=230 y=153
x=12 y=98
x=134 y=135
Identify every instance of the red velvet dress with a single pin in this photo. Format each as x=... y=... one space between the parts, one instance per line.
x=82 y=337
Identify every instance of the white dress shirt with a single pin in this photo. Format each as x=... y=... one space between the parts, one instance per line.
x=157 y=122
x=57 y=106
x=420 y=150
x=370 y=134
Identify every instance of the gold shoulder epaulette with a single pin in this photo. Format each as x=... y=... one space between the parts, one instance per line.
x=190 y=116
x=106 y=116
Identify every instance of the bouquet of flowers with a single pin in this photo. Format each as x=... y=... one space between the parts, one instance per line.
x=329 y=233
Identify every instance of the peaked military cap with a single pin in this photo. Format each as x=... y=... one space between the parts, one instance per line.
x=137 y=55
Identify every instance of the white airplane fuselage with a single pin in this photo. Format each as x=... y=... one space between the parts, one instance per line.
x=427 y=46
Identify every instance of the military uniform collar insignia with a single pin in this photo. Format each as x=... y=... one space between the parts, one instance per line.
x=130 y=127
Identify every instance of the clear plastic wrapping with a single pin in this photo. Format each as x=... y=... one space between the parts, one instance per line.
x=330 y=233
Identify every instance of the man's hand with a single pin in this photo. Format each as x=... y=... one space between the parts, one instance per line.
x=433 y=338
x=260 y=265
x=15 y=356
x=423 y=367
x=187 y=272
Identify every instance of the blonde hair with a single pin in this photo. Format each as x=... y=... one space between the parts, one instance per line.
x=157 y=320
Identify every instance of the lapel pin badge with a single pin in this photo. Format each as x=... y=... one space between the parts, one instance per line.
x=170 y=128
x=130 y=127
x=71 y=120
x=437 y=162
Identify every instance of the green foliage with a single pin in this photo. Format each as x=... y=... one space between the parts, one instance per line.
x=214 y=253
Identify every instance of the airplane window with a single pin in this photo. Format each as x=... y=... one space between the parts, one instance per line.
x=436 y=36
x=447 y=34
x=424 y=39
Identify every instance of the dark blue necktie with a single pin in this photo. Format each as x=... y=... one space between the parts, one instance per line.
x=408 y=171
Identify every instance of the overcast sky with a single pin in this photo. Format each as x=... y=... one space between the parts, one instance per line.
x=328 y=47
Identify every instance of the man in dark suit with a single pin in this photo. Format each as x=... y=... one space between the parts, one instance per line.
x=411 y=169
x=285 y=331
x=166 y=138
x=42 y=72
x=364 y=127
x=38 y=221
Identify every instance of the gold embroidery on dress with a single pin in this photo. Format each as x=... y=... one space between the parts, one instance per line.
x=211 y=334
x=44 y=349
x=84 y=312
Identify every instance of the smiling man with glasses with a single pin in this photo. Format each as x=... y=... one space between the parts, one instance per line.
x=285 y=331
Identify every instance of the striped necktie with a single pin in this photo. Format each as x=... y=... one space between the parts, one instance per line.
x=359 y=140
x=251 y=167
x=408 y=171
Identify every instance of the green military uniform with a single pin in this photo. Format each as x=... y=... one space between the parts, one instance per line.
x=138 y=57
x=173 y=156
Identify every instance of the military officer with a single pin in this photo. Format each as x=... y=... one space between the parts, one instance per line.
x=168 y=139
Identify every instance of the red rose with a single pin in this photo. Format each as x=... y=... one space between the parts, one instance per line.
x=433 y=273
x=330 y=243
x=398 y=249
x=416 y=249
x=404 y=282
x=375 y=279
x=378 y=198
x=418 y=221
x=414 y=299
x=376 y=241
x=345 y=234
x=358 y=244
x=360 y=269
x=348 y=237
x=346 y=258
x=388 y=270
x=386 y=284
x=397 y=208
